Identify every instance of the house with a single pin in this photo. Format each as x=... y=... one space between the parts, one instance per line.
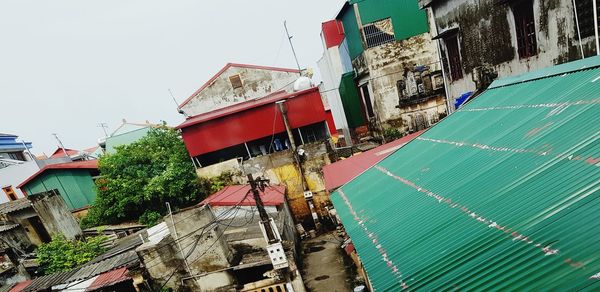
x=396 y=81
x=224 y=244
x=73 y=180
x=482 y=40
x=126 y=133
x=501 y=194
x=237 y=130
x=15 y=166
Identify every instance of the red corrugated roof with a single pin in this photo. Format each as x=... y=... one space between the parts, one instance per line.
x=229 y=65
x=109 y=278
x=242 y=106
x=236 y=195
x=60 y=153
x=84 y=164
x=343 y=171
x=20 y=286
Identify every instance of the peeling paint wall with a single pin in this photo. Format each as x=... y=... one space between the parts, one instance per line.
x=279 y=168
x=54 y=214
x=256 y=83
x=389 y=63
x=487 y=37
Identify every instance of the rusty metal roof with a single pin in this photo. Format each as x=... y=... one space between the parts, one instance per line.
x=108 y=279
x=15 y=205
x=236 y=195
x=127 y=259
x=343 y=171
x=503 y=194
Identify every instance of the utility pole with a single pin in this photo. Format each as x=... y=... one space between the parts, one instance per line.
x=308 y=196
x=255 y=185
x=291 y=45
x=61 y=145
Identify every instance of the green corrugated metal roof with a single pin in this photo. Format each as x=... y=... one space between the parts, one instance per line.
x=501 y=195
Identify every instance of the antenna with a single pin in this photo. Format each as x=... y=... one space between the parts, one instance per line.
x=104 y=126
x=61 y=145
x=291 y=45
x=173 y=97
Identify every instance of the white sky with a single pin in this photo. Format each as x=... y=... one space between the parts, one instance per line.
x=67 y=65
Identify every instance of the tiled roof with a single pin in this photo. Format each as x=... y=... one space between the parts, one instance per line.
x=15 y=205
x=503 y=194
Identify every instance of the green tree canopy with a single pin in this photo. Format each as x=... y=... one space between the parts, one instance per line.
x=61 y=254
x=142 y=176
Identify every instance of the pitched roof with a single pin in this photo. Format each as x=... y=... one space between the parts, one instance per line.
x=236 y=65
x=343 y=171
x=502 y=193
x=58 y=153
x=46 y=282
x=242 y=106
x=16 y=205
x=83 y=164
x=109 y=278
x=240 y=195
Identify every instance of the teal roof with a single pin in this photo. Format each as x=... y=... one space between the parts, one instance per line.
x=504 y=194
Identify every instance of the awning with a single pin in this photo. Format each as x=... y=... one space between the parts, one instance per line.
x=446 y=33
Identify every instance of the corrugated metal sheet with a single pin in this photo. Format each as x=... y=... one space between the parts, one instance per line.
x=108 y=279
x=408 y=19
x=20 y=286
x=15 y=205
x=351 y=101
x=4 y=226
x=238 y=195
x=501 y=195
x=126 y=259
x=46 y=282
x=341 y=172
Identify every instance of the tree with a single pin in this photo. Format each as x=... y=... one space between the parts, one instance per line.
x=142 y=176
x=61 y=254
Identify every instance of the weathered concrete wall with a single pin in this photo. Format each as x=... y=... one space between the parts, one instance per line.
x=487 y=37
x=256 y=83
x=389 y=63
x=279 y=168
x=54 y=214
x=214 y=170
x=16 y=237
x=21 y=217
x=161 y=259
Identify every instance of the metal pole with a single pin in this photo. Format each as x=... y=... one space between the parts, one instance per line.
x=281 y=106
x=596 y=26
x=291 y=45
x=61 y=146
x=578 y=31
x=264 y=217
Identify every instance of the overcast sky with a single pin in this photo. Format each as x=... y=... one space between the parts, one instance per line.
x=68 y=65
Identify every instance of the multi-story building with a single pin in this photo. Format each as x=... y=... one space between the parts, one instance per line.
x=482 y=40
x=396 y=79
x=235 y=124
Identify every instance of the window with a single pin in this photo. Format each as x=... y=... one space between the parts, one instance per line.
x=379 y=33
x=10 y=193
x=454 y=61
x=236 y=81
x=585 y=16
x=525 y=25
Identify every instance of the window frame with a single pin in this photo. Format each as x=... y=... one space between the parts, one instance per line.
x=526 y=35
x=453 y=57
x=370 y=32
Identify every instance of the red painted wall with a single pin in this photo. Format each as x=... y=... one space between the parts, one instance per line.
x=333 y=33
x=252 y=124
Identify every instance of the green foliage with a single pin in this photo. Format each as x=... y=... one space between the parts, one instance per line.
x=150 y=218
x=141 y=177
x=391 y=134
x=61 y=254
